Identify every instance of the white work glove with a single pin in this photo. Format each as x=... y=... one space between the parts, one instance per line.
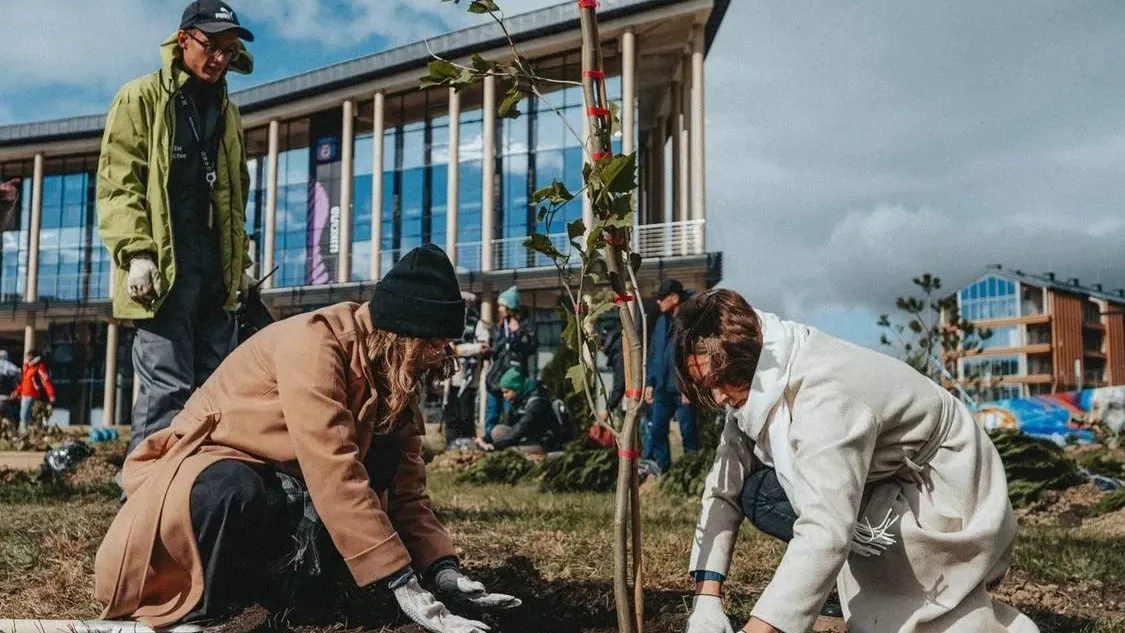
x=144 y=279
x=424 y=610
x=457 y=589
x=707 y=616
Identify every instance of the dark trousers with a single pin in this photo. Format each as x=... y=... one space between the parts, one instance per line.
x=175 y=352
x=766 y=506
x=231 y=523
x=460 y=415
x=665 y=404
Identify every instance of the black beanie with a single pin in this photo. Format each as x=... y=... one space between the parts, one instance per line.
x=420 y=297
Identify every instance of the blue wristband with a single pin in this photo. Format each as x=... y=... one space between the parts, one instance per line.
x=703 y=576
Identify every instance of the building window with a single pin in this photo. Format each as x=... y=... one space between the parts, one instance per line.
x=1002 y=337
x=995 y=366
x=73 y=262
x=1091 y=311
x=257 y=163
x=990 y=298
x=13 y=276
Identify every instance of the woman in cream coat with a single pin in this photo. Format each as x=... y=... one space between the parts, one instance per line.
x=900 y=497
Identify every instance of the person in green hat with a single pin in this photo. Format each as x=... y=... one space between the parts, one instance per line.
x=513 y=343
x=535 y=426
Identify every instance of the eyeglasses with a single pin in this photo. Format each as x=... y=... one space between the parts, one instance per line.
x=211 y=50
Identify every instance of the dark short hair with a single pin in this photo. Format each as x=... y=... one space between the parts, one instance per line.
x=721 y=325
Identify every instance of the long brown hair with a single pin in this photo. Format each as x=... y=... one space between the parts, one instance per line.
x=720 y=325
x=402 y=367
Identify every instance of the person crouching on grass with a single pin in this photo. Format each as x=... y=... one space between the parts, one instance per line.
x=898 y=496
x=324 y=405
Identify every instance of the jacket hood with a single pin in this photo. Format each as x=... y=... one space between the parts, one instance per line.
x=171 y=52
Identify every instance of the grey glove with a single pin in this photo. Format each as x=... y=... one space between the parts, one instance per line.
x=144 y=279
x=424 y=610
x=457 y=589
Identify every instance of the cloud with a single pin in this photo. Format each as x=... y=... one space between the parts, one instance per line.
x=852 y=147
x=106 y=43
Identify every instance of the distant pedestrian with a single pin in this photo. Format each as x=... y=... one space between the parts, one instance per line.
x=35 y=386
x=172 y=192
x=660 y=385
x=459 y=415
x=513 y=344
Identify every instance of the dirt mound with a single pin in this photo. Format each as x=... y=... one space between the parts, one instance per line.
x=1063 y=508
x=1112 y=524
x=455 y=461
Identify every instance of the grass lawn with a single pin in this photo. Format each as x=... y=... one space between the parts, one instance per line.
x=553 y=551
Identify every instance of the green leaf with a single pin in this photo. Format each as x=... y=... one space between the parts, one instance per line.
x=508 y=109
x=620 y=173
x=576 y=375
x=594 y=238
x=442 y=68
x=540 y=243
x=614 y=118
x=483 y=6
x=555 y=193
x=600 y=309
x=482 y=64
x=575 y=228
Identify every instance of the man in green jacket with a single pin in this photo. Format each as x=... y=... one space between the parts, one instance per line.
x=172 y=192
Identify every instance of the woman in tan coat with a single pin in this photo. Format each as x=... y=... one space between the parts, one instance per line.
x=328 y=402
x=900 y=498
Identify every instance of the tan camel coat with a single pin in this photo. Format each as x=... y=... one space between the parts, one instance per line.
x=297 y=396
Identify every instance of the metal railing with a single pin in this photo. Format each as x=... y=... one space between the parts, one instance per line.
x=510 y=253
x=671 y=239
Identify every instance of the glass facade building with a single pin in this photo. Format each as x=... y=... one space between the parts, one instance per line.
x=305 y=194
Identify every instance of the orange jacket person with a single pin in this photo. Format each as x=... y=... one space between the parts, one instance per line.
x=34 y=385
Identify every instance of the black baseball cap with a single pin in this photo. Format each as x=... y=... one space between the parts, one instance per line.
x=669 y=287
x=213 y=16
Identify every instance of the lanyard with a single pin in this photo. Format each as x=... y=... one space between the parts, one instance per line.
x=211 y=175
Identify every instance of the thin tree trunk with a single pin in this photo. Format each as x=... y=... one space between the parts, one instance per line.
x=627 y=500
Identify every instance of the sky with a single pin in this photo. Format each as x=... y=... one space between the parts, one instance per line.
x=850 y=146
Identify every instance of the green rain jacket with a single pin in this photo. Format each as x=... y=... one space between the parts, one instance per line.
x=132 y=191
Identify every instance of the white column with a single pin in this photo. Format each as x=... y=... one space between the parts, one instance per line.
x=453 y=178
x=109 y=400
x=659 y=169
x=628 y=90
x=377 y=190
x=271 y=203
x=685 y=143
x=31 y=290
x=347 y=164
x=698 y=176
x=486 y=315
x=677 y=139
x=488 y=174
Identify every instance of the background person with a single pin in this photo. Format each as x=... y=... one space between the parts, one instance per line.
x=171 y=195
x=513 y=343
x=459 y=415
x=661 y=390
x=534 y=427
x=35 y=386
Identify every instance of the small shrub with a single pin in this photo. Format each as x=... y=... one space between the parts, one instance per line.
x=1033 y=466
x=687 y=476
x=580 y=469
x=501 y=467
x=1110 y=502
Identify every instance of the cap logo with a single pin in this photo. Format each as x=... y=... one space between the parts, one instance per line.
x=224 y=14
